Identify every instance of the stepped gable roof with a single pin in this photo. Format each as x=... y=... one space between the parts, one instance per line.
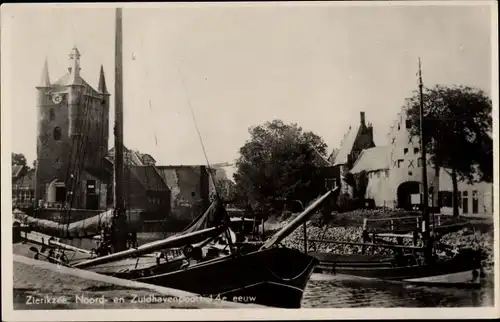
x=372 y=159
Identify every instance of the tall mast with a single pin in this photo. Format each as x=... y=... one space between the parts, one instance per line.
x=425 y=198
x=118 y=129
x=118 y=239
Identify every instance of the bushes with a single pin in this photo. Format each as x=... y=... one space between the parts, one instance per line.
x=346 y=203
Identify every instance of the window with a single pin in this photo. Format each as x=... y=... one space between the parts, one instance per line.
x=91 y=186
x=52 y=114
x=475 y=202
x=193 y=194
x=415 y=150
x=405 y=150
x=408 y=124
x=446 y=198
x=400 y=162
x=465 y=202
x=399 y=126
x=419 y=162
x=330 y=184
x=57 y=133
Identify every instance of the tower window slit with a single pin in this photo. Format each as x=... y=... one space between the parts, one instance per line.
x=57 y=133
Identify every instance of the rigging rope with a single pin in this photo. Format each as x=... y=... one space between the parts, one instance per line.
x=81 y=148
x=199 y=133
x=71 y=166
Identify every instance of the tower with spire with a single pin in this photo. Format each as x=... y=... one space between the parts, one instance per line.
x=72 y=138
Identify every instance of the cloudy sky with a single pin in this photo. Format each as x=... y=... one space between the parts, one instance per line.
x=242 y=64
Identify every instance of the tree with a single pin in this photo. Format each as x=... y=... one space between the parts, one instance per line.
x=457 y=132
x=19 y=159
x=278 y=162
x=226 y=190
x=361 y=184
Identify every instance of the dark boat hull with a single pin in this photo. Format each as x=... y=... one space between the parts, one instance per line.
x=263 y=277
x=379 y=267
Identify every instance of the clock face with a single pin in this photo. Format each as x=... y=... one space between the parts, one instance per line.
x=57 y=98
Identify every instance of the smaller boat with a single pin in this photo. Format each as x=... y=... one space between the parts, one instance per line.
x=463 y=270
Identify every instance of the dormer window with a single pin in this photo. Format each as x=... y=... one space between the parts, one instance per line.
x=57 y=133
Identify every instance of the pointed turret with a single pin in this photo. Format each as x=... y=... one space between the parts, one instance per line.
x=45 y=80
x=74 y=66
x=102 y=82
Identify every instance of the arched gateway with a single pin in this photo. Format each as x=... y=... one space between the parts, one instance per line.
x=405 y=190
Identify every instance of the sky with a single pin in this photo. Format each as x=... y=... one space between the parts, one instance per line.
x=239 y=65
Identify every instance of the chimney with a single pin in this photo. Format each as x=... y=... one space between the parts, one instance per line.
x=362 y=118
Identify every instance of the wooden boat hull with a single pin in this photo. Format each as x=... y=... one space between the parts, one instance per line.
x=263 y=277
x=462 y=270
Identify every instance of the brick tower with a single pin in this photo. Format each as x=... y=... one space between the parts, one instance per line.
x=72 y=135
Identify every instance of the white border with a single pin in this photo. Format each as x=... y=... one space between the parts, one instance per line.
x=233 y=314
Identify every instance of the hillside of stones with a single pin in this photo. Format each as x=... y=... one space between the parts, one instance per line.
x=347 y=227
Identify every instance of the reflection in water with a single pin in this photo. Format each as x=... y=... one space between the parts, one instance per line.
x=328 y=291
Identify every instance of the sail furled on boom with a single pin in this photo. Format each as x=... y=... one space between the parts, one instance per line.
x=214 y=216
x=88 y=227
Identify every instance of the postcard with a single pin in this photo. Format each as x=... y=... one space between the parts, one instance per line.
x=249 y=160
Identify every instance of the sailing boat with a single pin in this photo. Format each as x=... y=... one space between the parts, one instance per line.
x=271 y=275
x=454 y=268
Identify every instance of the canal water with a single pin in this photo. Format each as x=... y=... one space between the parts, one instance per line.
x=336 y=291
x=329 y=291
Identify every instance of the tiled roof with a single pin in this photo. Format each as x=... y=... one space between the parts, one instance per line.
x=372 y=159
x=130 y=157
x=331 y=157
x=65 y=80
x=320 y=160
x=16 y=170
x=148 y=177
x=27 y=180
x=347 y=145
x=169 y=175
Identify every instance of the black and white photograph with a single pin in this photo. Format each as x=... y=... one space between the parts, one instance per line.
x=249 y=155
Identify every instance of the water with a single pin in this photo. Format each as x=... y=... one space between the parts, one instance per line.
x=328 y=291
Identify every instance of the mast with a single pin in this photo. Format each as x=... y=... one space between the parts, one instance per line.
x=119 y=233
x=425 y=197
